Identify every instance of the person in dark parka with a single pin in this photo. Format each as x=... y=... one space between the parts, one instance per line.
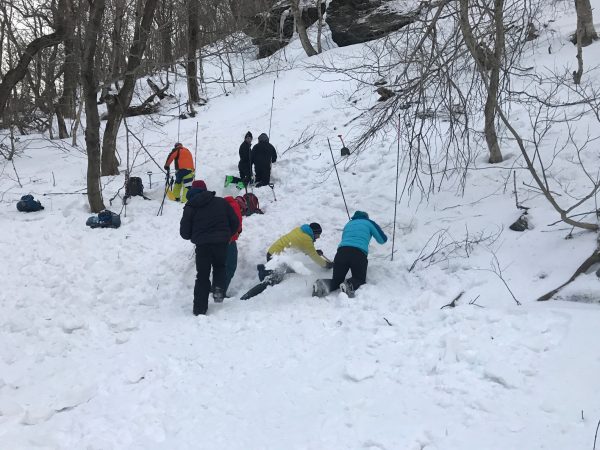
x=263 y=155
x=210 y=223
x=245 y=164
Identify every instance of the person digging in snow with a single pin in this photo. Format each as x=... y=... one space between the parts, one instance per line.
x=245 y=164
x=210 y=223
x=263 y=155
x=184 y=171
x=301 y=238
x=352 y=252
x=232 y=252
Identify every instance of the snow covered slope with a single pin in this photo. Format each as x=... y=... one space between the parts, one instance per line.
x=99 y=349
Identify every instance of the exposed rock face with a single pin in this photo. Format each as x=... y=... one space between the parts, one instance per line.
x=356 y=21
x=272 y=30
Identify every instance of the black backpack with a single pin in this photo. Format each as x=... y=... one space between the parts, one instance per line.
x=135 y=187
x=104 y=219
x=28 y=204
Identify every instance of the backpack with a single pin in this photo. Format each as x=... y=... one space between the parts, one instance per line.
x=135 y=187
x=28 y=204
x=104 y=219
x=248 y=204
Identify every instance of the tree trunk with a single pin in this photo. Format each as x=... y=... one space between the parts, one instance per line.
x=66 y=103
x=192 y=47
x=319 y=26
x=90 y=89
x=164 y=22
x=118 y=104
x=487 y=62
x=585 y=23
x=301 y=28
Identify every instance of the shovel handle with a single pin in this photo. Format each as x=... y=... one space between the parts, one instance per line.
x=340 y=136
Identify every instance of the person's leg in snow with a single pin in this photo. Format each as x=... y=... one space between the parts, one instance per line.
x=358 y=267
x=353 y=259
x=219 y=258
x=183 y=180
x=202 y=285
x=230 y=264
x=263 y=175
x=341 y=266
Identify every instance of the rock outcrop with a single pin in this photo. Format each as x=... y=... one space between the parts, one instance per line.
x=272 y=30
x=356 y=21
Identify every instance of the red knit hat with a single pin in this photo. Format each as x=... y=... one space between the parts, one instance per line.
x=199 y=184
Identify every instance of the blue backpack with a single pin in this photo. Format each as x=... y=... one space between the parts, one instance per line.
x=28 y=204
x=104 y=219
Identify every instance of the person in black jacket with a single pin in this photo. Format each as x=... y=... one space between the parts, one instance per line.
x=210 y=223
x=263 y=154
x=245 y=166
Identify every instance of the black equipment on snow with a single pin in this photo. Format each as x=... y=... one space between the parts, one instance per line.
x=134 y=187
x=104 y=219
x=29 y=204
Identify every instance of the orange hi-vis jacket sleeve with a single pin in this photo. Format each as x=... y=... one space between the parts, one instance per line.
x=182 y=157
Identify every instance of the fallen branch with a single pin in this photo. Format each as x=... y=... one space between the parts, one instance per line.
x=593 y=259
x=452 y=304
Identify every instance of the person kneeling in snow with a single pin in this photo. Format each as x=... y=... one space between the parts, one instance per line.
x=232 y=252
x=352 y=252
x=301 y=238
x=210 y=223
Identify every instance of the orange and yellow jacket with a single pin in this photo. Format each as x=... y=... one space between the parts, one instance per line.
x=182 y=157
x=300 y=238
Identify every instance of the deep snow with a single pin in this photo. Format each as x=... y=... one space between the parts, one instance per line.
x=100 y=349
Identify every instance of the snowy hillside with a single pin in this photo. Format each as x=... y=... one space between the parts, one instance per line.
x=100 y=350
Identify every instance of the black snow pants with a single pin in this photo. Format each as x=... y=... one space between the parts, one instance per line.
x=208 y=256
x=263 y=174
x=353 y=259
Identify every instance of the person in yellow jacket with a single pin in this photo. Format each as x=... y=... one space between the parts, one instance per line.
x=301 y=238
x=184 y=172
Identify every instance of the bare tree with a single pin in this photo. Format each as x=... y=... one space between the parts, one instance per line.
x=90 y=89
x=118 y=104
x=192 y=47
x=487 y=60
x=16 y=74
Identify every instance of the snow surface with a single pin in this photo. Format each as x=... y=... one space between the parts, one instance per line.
x=99 y=349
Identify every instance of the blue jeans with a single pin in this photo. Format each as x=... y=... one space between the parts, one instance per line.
x=230 y=263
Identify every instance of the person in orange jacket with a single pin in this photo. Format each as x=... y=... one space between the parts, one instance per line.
x=184 y=171
x=232 y=252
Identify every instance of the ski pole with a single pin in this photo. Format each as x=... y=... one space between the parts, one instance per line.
x=196 y=151
x=271 y=117
x=396 y=197
x=160 y=209
x=338 y=177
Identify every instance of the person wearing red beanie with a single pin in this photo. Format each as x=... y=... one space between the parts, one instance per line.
x=210 y=223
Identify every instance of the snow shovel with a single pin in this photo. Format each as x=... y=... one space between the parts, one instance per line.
x=345 y=151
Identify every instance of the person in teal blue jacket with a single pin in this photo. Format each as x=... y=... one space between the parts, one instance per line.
x=352 y=252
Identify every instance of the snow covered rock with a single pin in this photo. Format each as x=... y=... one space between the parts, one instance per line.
x=355 y=21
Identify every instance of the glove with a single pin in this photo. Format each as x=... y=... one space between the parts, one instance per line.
x=319 y=252
x=329 y=265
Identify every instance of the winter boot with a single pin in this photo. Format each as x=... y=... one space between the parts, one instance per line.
x=218 y=295
x=347 y=288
